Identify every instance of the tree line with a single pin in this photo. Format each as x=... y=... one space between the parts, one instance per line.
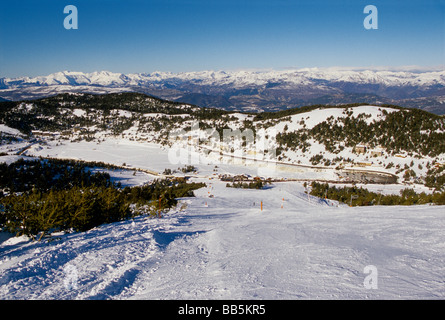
x=358 y=196
x=83 y=201
x=257 y=184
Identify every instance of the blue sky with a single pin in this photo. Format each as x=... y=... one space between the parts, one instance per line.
x=170 y=35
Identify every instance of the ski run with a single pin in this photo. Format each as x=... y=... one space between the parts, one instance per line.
x=226 y=243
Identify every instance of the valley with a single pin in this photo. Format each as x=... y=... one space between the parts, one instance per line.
x=345 y=144
x=232 y=237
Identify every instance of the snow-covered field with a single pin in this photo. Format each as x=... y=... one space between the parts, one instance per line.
x=222 y=245
x=226 y=247
x=151 y=156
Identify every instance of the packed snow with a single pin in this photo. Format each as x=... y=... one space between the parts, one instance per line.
x=226 y=247
x=9 y=130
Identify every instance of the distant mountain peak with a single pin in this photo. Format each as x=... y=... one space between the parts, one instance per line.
x=239 y=77
x=250 y=90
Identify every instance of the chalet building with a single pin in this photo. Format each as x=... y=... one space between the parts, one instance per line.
x=378 y=152
x=360 y=148
x=39 y=133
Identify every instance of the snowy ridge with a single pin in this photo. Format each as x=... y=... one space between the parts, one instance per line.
x=247 y=90
x=235 y=78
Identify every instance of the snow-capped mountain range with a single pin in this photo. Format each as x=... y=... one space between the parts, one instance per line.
x=234 y=78
x=249 y=90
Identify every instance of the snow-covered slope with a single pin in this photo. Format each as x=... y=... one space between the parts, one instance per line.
x=226 y=247
x=226 y=243
x=9 y=131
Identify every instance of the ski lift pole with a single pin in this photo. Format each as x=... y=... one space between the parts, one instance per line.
x=380 y=197
x=353 y=197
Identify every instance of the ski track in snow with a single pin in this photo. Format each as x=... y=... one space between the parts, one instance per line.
x=227 y=248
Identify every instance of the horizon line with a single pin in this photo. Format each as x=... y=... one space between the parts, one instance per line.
x=407 y=68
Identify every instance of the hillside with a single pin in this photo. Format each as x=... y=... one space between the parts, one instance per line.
x=393 y=141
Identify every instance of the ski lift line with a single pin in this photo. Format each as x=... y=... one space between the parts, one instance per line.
x=353 y=197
